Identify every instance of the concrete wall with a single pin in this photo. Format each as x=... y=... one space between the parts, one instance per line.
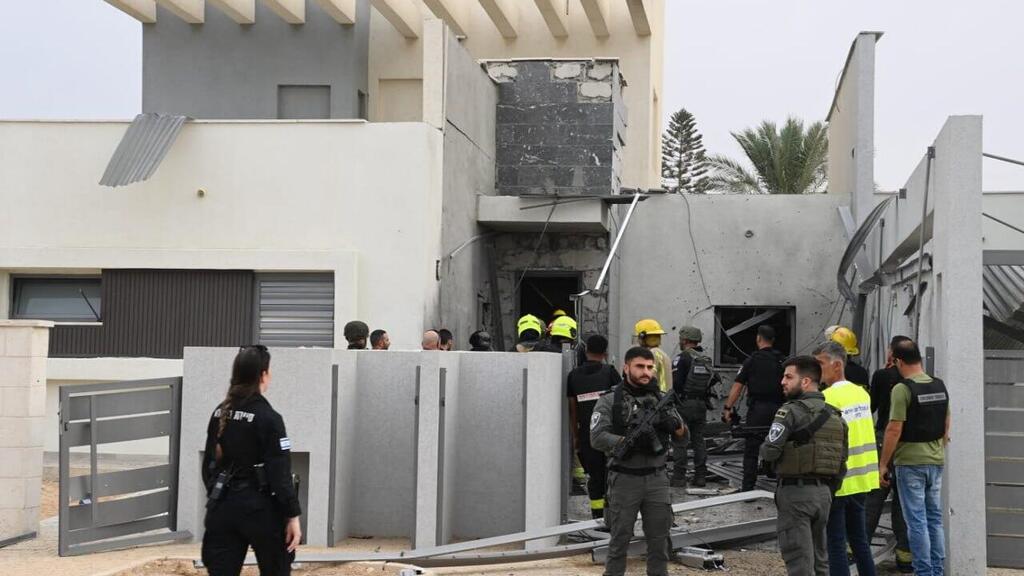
x=951 y=316
x=307 y=418
x=418 y=462
x=360 y=200
x=641 y=59
x=561 y=127
x=23 y=346
x=851 y=129
x=469 y=98
x=220 y=69
x=789 y=259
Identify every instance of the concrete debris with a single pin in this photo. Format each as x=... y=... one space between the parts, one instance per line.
x=502 y=73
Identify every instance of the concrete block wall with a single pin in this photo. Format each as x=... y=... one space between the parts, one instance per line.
x=560 y=126
x=23 y=349
x=429 y=446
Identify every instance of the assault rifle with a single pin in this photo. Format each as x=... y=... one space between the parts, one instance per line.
x=642 y=426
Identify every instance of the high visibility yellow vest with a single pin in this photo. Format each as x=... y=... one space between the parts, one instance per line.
x=862 y=460
x=662 y=369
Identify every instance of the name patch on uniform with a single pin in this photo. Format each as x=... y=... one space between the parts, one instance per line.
x=588 y=397
x=775 y=432
x=932 y=398
x=594 y=419
x=700 y=370
x=286 y=444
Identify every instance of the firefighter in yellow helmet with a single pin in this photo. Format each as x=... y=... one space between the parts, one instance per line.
x=648 y=334
x=563 y=331
x=848 y=340
x=529 y=331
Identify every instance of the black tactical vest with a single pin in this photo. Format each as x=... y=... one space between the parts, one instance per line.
x=699 y=376
x=926 y=415
x=623 y=410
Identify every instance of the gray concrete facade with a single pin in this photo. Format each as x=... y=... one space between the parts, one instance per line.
x=224 y=70
x=560 y=127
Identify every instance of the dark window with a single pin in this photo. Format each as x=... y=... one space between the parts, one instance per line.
x=736 y=330
x=541 y=294
x=303 y=102
x=67 y=299
x=362 y=105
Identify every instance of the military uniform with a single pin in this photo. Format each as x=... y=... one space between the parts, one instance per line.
x=636 y=483
x=761 y=373
x=806 y=445
x=693 y=377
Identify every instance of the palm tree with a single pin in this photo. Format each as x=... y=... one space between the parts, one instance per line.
x=790 y=161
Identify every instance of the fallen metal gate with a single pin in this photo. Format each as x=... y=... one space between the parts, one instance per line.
x=128 y=507
x=1004 y=457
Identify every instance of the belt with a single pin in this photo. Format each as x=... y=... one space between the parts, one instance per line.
x=803 y=482
x=636 y=471
x=695 y=397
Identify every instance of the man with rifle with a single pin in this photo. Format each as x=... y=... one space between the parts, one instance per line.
x=633 y=424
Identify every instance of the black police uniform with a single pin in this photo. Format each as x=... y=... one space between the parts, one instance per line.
x=586 y=383
x=762 y=375
x=259 y=497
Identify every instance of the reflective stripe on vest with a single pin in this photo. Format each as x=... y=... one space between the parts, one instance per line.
x=862 y=459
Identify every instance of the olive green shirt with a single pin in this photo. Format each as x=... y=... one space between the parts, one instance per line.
x=913 y=453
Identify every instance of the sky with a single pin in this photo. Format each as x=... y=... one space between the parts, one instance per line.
x=732 y=63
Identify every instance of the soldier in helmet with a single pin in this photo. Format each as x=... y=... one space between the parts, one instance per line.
x=356 y=333
x=693 y=376
x=806 y=446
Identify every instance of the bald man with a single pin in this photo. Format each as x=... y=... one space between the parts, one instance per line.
x=431 y=340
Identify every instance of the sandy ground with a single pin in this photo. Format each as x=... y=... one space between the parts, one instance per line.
x=38 y=557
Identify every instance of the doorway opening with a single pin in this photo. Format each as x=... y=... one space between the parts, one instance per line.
x=541 y=293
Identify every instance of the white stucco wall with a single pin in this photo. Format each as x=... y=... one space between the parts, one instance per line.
x=361 y=200
x=393 y=56
x=790 y=260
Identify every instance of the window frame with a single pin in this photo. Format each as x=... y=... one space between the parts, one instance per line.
x=789 y=310
x=16 y=279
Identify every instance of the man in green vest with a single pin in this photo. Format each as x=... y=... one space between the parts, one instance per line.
x=846 y=519
x=806 y=445
x=693 y=376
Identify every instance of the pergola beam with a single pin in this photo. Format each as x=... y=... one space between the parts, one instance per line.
x=455 y=13
x=142 y=10
x=241 y=11
x=504 y=14
x=291 y=11
x=191 y=11
x=403 y=15
x=641 y=21
x=597 y=14
x=554 y=13
x=343 y=11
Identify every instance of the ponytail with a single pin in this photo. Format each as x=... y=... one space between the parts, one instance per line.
x=246 y=373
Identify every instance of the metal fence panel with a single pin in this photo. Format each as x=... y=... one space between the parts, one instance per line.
x=124 y=508
x=1004 y=457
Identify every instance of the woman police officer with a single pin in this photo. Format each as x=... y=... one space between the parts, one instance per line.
x=247 y=471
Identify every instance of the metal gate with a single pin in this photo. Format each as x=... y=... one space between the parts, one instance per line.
x=122 y=508
x=1004 y=457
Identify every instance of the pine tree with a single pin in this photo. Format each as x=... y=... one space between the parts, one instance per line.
x=683 y=160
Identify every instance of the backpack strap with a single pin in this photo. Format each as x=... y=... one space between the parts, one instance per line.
x=804 y=434
x=618 y=418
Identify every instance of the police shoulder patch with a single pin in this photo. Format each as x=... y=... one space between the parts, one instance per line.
x=775 y=432
x=594 y=419
x=782 y=413
x=286 y=444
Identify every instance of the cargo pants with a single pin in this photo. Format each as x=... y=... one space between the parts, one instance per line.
x=802 y=522
x=628 y=495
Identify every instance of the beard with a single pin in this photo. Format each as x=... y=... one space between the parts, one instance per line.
x=792 y=393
